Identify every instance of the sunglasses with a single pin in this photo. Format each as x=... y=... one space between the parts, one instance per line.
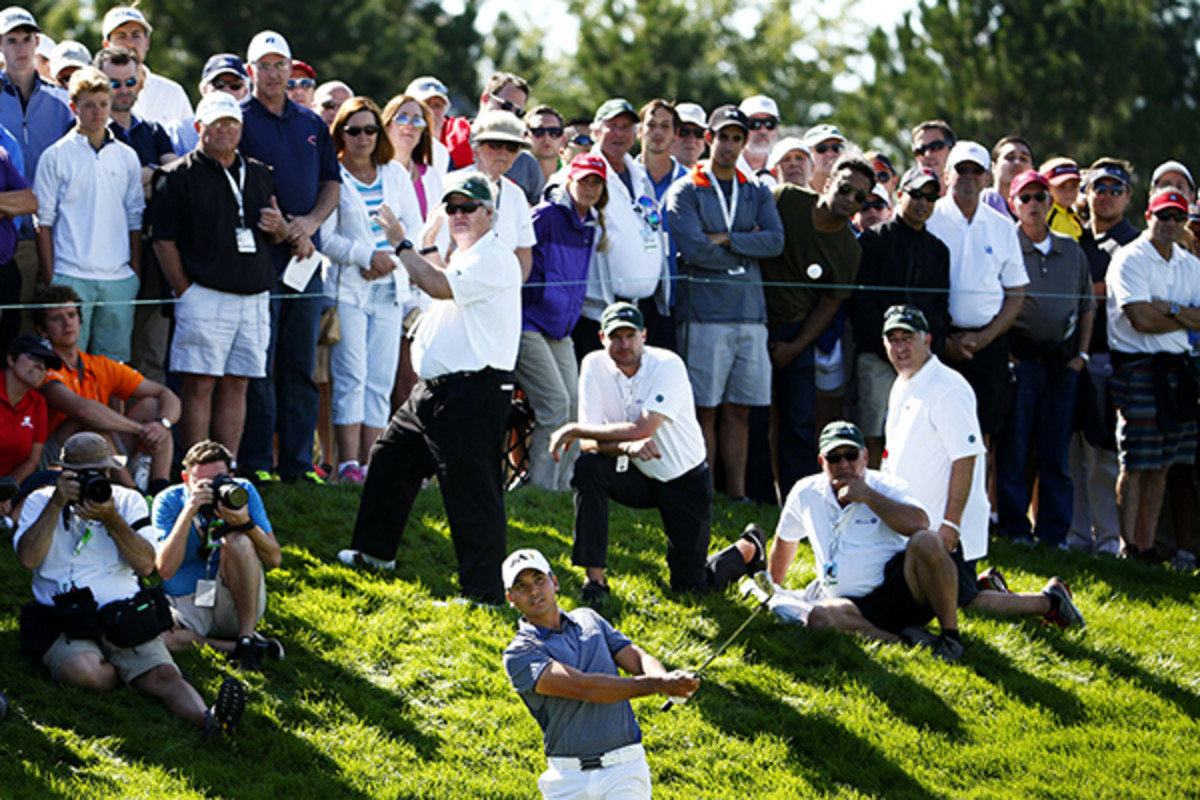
x=552 y=132
x=1171 y=215
x=582 y=140
x=825 y=147
x=415 y=120
x=301 y=83
x=769 y=124
x=691 y=130
x=462 y=208
x=356 y=130
x=235 y=85
x=507 y=105
x=874 y=205
x=932 y=147
x=511 y=147
x=969 y=169
x=860 y=196
x=130 y=82
x=331 y=105
x=647 y=209
x=842 y=455
x=1113 y=189
x=930 y=196
x=1038 y=196
x=883 y=176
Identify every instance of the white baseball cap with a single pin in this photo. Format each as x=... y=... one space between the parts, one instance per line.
x=265 y=43
x=116 y=17
x=520 y=560
x=15 y=17
x=692 y=114
x=426 y=87
x=217 y=105
x=69 y=53
x=759 y=104
x=45 y=46
x=966 y=150
x=785 y=146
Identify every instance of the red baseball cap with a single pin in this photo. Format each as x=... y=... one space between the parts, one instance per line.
x=586 y=164
x=300 y=66
x=1026 y=178
x=1168 y=199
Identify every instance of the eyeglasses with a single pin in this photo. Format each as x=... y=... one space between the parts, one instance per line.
x=883 y=176
x=301 y=83
x=932 y=147
x=1113 y=189
x=875 y=205
x=582 y=140
x=930 y=196
x=1038 y=196
x=130 y=82
x=769 y=124
x=1171 y=215
x=552 y=132
x=415 y=120
x=825 y=147
x=691 y=130
x=969 y=169
x=842 y=455
x=234 y=85
x=860 y=196
x=511 y=147
x=356 y=130
x=507 y=105
x=462 y=208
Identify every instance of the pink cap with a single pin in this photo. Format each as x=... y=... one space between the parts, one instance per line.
x=1025 y=179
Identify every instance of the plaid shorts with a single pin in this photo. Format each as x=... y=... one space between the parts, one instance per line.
x=1142 y=441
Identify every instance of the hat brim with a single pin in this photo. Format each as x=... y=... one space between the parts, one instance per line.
x=902 y=326
x=1059 y=180
x=112 y=462
x=841 y=441
x=501 y=137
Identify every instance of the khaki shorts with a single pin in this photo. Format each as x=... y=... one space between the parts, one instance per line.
x=131 y=662
x=220 y=621
x=875 y=378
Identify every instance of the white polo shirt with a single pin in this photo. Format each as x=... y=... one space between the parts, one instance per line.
x=636 y=249
x=851 y=545
x=480 y=326
x=985 y=259
x=660 y=385
x=931 y=423
x=82 y=553
x=162 y=100
x=1138 y=274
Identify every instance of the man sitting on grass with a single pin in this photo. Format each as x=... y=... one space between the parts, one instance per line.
x=214 y=539
x=564 y=666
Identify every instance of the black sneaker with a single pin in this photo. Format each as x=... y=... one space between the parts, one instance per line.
x=594 y=594
x=991 y=580
x=269 y=646
x=227 y=711
x=248 y=654
x=939 y=645
x=757 y=537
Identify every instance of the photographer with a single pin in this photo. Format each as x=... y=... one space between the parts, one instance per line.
x=214 y=540
x=87 y=542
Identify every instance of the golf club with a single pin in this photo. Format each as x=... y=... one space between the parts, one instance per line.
x=765 y=585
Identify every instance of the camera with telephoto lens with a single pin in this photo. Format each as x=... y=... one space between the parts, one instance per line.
x=94 y=485
x=227 y=493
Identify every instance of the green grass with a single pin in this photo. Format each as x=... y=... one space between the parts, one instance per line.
x=389 y=692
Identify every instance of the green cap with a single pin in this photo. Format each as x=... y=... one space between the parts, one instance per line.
x=614 y=108
x=469 y=182
x=841 y=433
x=909 y=318
x=621 y=315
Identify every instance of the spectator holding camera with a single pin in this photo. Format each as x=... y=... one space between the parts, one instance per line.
x=88 y=542
x=214 y=539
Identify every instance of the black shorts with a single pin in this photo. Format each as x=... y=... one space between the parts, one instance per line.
x=988 y=374
x=890 y=606
x=967 y=589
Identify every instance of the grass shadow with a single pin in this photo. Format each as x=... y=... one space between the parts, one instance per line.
x=998 y=668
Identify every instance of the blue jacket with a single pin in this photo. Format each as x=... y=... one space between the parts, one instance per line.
x=552 y=298
x=38 y=124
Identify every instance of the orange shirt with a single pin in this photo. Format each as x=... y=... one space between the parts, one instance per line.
x=98 y=378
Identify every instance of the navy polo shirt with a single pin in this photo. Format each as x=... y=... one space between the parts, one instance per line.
x=588 y=643
x=298 y=145
x=147 y=138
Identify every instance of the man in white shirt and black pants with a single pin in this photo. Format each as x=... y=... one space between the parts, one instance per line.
x=643 y=447
x=453 y=424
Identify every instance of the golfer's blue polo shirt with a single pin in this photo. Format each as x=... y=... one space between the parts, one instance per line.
x=572 y=727
x=299 y=148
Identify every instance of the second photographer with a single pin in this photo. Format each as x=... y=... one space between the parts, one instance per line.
x=214 y=541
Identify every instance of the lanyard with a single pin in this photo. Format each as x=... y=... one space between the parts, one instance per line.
x=727 y=211
x=236 y=188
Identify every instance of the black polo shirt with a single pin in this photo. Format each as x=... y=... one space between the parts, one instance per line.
x=194 y=206
x=148 y=139
x=1099 y=251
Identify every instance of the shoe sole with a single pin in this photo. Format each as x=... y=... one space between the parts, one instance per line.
x=231 y=703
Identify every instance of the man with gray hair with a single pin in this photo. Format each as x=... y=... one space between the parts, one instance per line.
x=762 y=113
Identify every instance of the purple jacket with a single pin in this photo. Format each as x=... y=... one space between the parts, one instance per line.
x=552 y=298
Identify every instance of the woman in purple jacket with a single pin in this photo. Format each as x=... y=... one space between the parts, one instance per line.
x=569 y=226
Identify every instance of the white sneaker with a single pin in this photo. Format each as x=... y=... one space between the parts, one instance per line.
x=1183 y=561
x=139 y=469
x=357 y=558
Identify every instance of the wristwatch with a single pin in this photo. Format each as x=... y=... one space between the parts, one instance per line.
x=405 y=244
x=1173 y=309
x=166 y=423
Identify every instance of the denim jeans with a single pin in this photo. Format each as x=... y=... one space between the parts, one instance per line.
x=1042 y=412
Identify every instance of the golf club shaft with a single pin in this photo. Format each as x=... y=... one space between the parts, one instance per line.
x=667 y=705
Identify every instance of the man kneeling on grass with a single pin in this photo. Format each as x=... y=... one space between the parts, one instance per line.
x=564 y=666
x=214 y=540
x=87 y=542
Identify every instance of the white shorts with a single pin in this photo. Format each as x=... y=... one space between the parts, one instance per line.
x=727 y=362
x=627 y=780
x=220 y=333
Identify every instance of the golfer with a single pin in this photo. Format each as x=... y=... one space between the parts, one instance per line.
x=564 y=666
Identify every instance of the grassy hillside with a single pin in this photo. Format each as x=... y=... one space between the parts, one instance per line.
x=391 y=689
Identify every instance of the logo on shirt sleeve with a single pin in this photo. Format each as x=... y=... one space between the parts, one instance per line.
x=971 y=438
x=658 y=398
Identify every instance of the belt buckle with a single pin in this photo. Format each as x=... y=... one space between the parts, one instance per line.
x=591 y=762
